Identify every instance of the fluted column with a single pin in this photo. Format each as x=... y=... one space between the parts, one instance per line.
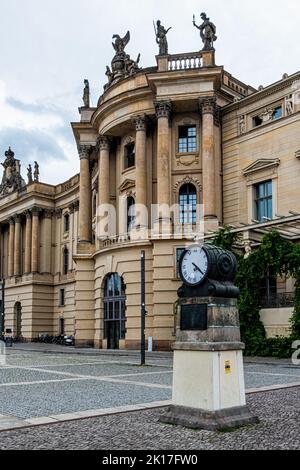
x=163 y=112
x=28 y=237
x=208 y=106
x=47 y=242
x=104 y=189
x=11 y=244
x=17 y=248
x=35 y=241
x=85 y=214
x=141 y=170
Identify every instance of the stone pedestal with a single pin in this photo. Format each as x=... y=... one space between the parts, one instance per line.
x=208 y=381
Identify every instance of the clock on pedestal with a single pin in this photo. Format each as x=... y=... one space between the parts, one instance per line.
x=207 y=271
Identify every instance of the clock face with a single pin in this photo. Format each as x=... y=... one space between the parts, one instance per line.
x=193 y=266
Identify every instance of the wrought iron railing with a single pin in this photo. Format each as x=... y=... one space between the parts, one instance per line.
x=280 y=300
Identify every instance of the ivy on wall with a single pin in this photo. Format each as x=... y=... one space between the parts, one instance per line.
x=282 y=258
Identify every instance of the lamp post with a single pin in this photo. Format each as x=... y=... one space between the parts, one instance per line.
x=143 y=310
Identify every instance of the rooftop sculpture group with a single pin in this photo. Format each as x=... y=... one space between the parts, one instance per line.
x=12 y=180
x=122 y=66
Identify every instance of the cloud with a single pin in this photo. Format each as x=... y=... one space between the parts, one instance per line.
x=38 y=131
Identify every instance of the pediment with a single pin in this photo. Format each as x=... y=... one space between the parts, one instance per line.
x=261 y=164
x=127 y=185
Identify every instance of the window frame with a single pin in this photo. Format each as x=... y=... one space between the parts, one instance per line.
x=263 y=199
x=191 y=213
x=188 y=150
x=66 y=223
x=66 y=259
x=126 y=155
x=62 y=297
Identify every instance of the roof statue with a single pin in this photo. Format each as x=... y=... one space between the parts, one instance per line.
x=86 y=94
x=122 y=66
x=12 y=180
x=207 y=32
x=161 y=38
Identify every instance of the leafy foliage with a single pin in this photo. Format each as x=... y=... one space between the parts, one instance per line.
x=281 y=257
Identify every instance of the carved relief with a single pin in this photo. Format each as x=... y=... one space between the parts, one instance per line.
x=289 y=105
x=187 y=180
x=242 y=124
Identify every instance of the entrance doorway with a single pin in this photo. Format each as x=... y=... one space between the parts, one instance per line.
x=18 y=319
x=114 y=310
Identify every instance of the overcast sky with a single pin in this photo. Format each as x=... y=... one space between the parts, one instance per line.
x=48 y=47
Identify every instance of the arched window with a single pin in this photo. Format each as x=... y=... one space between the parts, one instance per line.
x=65 y=261
x=131 y=213
x=114 y=310
x=188 y=204
x=129 y=155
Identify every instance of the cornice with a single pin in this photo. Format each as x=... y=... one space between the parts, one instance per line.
x=268 y=91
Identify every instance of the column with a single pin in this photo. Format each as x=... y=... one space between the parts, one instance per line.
x=85 y=214
x=208 y=106
x=35 y=242
x=163 y=113
x=11 y=244
x=141 y=170
x=71 y=235
x=28 y=237
x=17 y=248
x=47 y=242
x=104 y=189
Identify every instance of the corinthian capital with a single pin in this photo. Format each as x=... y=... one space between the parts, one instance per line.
x=163 y=109
x=103 y=142
x=208 y=105
x=84 y=151
x=140 y=123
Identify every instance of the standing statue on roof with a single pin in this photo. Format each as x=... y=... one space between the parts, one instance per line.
x=86 y=94
x=29 y=174
x=161 y=38
x=36 y=172
x=207 y=32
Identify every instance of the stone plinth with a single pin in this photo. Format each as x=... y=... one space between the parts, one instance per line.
x=208 y=378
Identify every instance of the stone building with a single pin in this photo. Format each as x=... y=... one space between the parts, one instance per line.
x=184 y=133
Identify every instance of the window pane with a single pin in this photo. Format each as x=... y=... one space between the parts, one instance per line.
x=277 y=113
x=270 y=209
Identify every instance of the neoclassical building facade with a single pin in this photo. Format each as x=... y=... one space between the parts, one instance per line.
x=184 y=133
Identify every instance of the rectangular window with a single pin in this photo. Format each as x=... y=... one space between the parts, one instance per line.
x=129 y=156
x=179 y=252
x=187 y=141
x=62 y=297
x=277 y=113
x=264 y=201
x=257 y=121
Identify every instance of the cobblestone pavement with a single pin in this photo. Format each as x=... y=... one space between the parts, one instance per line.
x=278 y=411
x=40 y=385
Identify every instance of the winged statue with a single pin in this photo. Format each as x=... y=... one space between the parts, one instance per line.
x=120 y=44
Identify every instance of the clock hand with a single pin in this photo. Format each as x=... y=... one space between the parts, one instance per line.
x=197 y=268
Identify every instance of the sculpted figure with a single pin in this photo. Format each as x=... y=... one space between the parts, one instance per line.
x=207 y=32
x=29 y=174
x=36 y=172
x=86 y=94
x=120 y=43
x=161 y=38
